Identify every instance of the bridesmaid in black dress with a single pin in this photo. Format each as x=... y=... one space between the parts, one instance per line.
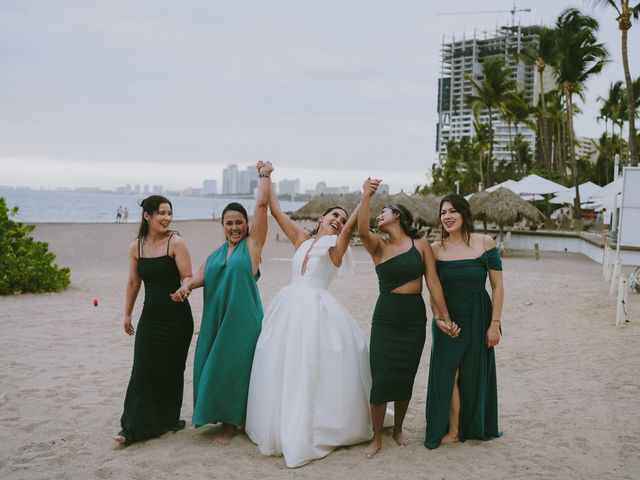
x=160 y=259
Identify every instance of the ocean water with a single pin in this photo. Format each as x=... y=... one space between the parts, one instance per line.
x=40 y=206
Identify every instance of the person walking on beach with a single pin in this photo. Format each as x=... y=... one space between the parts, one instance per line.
x=159 y=258
x=231 y=316
x=462 y=397
x=398 y=328
x=125 y=215
x=310 y=378
x=119 y=214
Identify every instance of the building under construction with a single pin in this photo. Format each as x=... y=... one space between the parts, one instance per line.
x=462 y=58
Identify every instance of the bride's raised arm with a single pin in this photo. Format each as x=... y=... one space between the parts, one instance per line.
x=294 y=232
x=370 y=241
x=344 y=238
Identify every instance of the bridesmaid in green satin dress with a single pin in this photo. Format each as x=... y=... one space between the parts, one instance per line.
x=231 y=316
x=462 y=396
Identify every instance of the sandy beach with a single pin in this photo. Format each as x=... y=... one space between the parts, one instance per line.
x=569 y=389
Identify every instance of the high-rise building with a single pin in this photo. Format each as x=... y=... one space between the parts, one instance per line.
x=230 y=180
x=210 y=187
x=462 y=58
x=586 y=149
x=245 y=178
x=289 y=187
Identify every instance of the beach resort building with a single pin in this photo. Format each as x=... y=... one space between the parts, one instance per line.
x=461 y=58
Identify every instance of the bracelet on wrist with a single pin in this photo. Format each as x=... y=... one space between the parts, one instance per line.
x=264 y=175
x=496 y=320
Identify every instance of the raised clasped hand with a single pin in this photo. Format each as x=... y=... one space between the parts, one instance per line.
x=370 y=185
x=265 y=167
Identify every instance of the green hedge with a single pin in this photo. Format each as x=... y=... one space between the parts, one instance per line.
x=26 y=266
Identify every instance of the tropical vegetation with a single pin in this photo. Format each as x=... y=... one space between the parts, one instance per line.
x=572 y=53
x=26 y=265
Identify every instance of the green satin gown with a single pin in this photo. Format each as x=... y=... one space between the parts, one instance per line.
x=469 y=305
x=229 y=330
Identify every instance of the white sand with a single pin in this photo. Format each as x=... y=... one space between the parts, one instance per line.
x=568 y=379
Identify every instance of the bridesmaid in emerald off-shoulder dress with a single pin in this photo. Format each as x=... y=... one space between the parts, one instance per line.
x=462 y=397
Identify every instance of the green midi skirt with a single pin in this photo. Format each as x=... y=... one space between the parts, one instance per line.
x=398 y=333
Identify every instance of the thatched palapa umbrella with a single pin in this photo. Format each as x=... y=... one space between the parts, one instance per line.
x=317 y=205
x=419 y=205
x=423 y=207
x=504 y=207
x=475 y=203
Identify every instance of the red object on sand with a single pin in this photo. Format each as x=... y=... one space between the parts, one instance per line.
x=95 y=302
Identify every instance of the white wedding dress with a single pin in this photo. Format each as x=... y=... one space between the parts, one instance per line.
x=310 y=381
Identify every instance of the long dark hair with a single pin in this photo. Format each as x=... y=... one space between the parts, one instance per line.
x=337 y=207
x=462 y=207
x=406 y=220
x=150 y=205
x=235 y=207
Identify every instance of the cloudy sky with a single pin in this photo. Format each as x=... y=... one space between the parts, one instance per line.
x=104 y=93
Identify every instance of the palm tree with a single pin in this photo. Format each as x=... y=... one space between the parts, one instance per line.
x=541 y=56
x=579 y=55
x=610 y=105
x=490 y=93
x=516 y=110
x=557 y=118
x=625 y=13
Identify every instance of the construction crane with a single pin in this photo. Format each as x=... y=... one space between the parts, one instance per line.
x=513 y=12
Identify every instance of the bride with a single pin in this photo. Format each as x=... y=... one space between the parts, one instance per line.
x=310 y=381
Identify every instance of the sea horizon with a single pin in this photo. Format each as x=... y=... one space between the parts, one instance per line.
x=45 y=206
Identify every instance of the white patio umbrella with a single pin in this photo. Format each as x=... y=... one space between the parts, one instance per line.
x=536 y=185
x=606 y=197
x=508 y=184
x=588 y=190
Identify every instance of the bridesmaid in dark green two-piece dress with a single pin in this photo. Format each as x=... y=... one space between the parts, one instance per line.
x=462 y=396
x=231 y=316
x=398 y=328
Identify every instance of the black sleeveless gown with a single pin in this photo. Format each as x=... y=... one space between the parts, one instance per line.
x=163 y=334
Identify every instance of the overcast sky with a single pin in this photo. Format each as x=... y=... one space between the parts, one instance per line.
x=103 y=93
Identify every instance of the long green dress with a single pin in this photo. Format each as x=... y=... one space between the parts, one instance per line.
x=229 y=330
x=469 y=305
x=154 y=395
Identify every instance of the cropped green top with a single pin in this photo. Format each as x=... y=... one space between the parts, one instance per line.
x=400 y=269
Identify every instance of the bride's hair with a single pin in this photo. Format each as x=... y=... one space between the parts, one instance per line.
x=337 y=207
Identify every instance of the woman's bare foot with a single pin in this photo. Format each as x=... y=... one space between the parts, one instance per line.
x=449 y=438
x=227 y=434
x=373 y=448
x=400 y=438
x=120 y=439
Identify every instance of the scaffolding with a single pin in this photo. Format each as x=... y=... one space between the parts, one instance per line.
x=462 y=59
